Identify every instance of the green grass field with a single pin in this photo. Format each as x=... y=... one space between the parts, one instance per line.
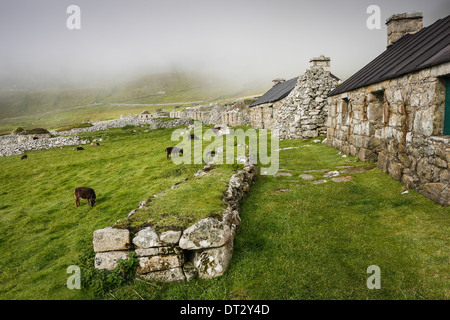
x=312 y=241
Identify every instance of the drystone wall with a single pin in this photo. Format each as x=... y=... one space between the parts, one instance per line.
x=11 y=146
x=304 y=111
x=129 y=120
x=399 y=124
x=202 y=250
x=17 y=144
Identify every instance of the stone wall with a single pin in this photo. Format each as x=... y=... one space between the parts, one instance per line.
x=17 y=144
x=399 y=124
x=264 y=116
x=13 y=147
x=203 y=249
x=129 y=120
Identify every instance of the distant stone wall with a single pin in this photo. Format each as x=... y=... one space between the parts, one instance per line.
x=129 y=120
x=17 y=144
x=398 y=123
x=203 y=249
x=16 y=148
x=9 y=139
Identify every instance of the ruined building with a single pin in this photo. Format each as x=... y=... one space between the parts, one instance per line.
x=296 y=107
x=303 y=113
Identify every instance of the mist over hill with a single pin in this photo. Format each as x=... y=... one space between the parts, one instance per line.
x=170 y=87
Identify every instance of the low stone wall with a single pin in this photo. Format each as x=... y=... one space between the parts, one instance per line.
x=203 y=249
x=16 y=144
x=125 y=121
x=12 y=149
x=10 y=139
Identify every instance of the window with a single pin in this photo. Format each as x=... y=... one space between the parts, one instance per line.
x=378 y=102
x=447 y=108
x=344 y=110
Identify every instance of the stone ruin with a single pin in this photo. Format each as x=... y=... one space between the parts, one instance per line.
x=302 y=114
x=202 y=250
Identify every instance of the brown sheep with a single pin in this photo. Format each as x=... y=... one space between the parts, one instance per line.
x=86 y=194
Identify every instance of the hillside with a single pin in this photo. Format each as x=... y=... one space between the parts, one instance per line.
x=54 y=108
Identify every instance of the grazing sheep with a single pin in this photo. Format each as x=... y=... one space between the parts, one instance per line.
x=86 y=194
x=80 y=148
x=24 y=157
x=173 y=150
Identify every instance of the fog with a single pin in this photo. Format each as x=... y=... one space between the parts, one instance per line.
x=239 y=40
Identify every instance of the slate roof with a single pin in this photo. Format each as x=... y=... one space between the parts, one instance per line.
x=277 y=92
x=413 y=52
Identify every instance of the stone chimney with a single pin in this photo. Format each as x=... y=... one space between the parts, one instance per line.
x=399 y=25
x=320 y=62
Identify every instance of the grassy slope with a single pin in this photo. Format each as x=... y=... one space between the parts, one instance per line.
x=316 y=241
x=313 y=242
x=54 y=108
x=41 y=231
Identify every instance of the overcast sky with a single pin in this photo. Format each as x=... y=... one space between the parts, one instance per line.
x=244 y=39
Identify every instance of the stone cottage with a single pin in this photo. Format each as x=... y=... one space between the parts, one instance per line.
x=396 y=110
x=158 y=114
x=145 y=115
